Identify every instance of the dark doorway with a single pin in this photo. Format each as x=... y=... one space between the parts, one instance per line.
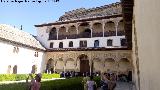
x=34 y=69
x=15 y=69
x=84 y=64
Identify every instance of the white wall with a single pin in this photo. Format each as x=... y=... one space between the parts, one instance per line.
x=24 y=59
x=42 y=35
x=90 y=42
x=147 y=27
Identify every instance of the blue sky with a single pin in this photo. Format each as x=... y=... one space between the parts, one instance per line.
x=33 y=13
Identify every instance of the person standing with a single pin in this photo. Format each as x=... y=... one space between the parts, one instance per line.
x=91 y=85
x=35 y=82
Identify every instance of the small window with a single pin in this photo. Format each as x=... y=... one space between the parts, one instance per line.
x=51 y=45
x=61 y=45
x=109 y=42
x=15 y=50
x=70 y=44
x=83 y=43
x=36 y=54
x=96 y=43
x=123 y=42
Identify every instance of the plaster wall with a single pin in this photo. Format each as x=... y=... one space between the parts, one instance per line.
x=147 y=25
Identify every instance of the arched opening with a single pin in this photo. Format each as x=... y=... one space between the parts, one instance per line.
x=124 y=65
x=84 y=31
x=120 y=28
x=70 y=66
x=109 y=29
x=34 y=69
x=72 y=32
x=84 y=63
x=97 y=30
x=97 y=65
x=53 y=34
x=109 y=42
x=96 y=43
x=125 y=69
x=110 y=65
x=49 y=66
x=15 y=69
x=60 y=65
x=9 y=69
x=62 y=34
x=61 y=45
x=71 y=44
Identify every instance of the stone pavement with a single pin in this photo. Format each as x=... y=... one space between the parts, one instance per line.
x=124 y=86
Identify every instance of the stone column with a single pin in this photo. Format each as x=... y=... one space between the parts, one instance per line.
x=57 y=32
x=90 y=66
x=77 y=28
x=64 y=67
x=55 y=62
x=67 y=29
x=91 y=28
x=116 y=27
x=103 y=25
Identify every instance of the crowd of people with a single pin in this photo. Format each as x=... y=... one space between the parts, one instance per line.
x=107 y=82
x=35 y=83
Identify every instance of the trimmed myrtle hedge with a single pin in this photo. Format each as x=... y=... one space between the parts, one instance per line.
x=18 y=77
x=63 y=84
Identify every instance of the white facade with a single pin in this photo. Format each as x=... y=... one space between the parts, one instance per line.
x=24 y=59
x=90 y=42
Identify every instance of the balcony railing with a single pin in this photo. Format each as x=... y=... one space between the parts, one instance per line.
x=110 y=33
x=52 y=37
x=73 y=36
x=60 y=37
x=120 y=33
x=100 y=34
x=87 y=35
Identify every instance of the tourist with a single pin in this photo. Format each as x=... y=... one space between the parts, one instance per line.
x=112 y=84
x=35 y=82
x=91 y=85
x=104 y=82
x=85 y=79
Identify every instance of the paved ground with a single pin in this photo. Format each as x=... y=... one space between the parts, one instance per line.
x=123 y=86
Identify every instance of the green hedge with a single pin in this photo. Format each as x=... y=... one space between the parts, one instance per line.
x=63 y=84
x=18 y=77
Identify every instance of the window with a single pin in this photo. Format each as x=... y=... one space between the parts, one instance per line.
x=109 y=42
x=61 y=45
x=123 y=42
x=96 y=43
x=70 y=44
x=15 y=50
x=53 y=34
x=83 y=43
x=36 y=54
x=87 y=33
x=51 y=45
